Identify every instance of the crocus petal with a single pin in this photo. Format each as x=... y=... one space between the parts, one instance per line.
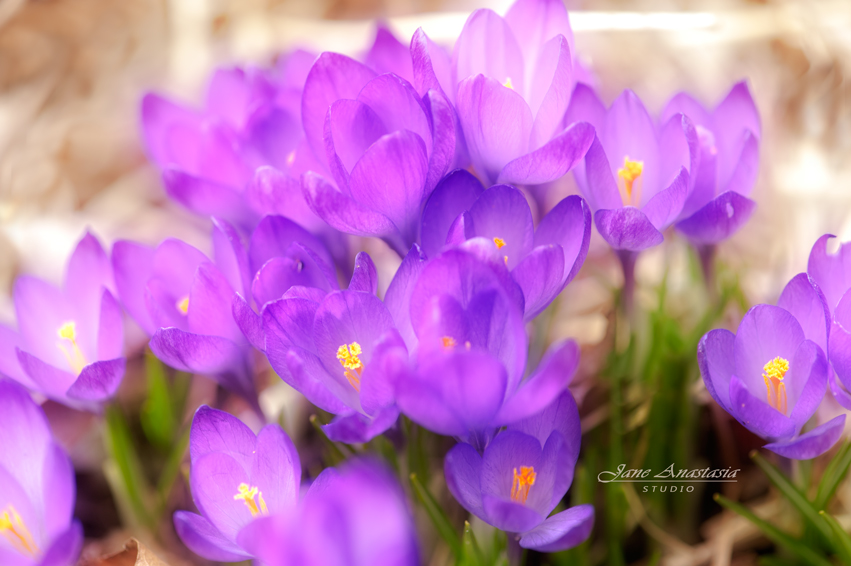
x=487 y=46
x=214 y=479
x=432 y=66
x=627 y=229
x=717 y=364
x=332 y=77
x=840 y=340
x=443 y=124
x=718 y=220
x=88 y=271
x=389 y=55
x=390 y=179
x=344 y=213
x=98 y=381
x=389 y=360
x=197 y=353
x=276 y=469
x=550 y=379
x=454 y=194
x=756 y=415
x=273 y=192
x=738 y=107
x=502 y=212
x=41 y=309
x=206 y=197
x=666 y=205
x=596 y=181
x=217 y=431
x=132 y=264
x=397 y=299
x=65 y=548
x=684 y=103
x=462 y=468
x=350 y=128
x=509 y=516
x=299 y=268
x=510 y=449
x=493 y=142
x=26 y=431
x=540 y=274
x=551 y=161
x=249 y=322
x=568 y=224
x=110 y=328
x=585 y=106
x=205 y=540
x=807 y=381
x=398 y=105
x=744 y=175
x=274 y=237
x=365 y=276
x=805 y=301
x=210 y=298
x=550 y=86
x=52 y=381
x=679 y=148
x=562 y=415
x=813 y=443
x=230 y=255
x=357 y=428
x=630 y=132
x=10 y=341
x=831 y=272
x=536 y=22
x=839 y=392
x=561 y=531
x=158 y=116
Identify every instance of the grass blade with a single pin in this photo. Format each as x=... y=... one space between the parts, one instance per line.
x=844 y=546
x=471 y=554
x=437 y=516
x=833 y=474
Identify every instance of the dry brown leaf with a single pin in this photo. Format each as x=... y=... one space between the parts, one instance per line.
x=134 y=554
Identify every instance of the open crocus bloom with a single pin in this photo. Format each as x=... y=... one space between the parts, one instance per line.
x=335 y=348
x=183 y=300
x=635 y=175
x=771 y=378
x=236 y=478
x=522 y=475
x=832 y=274
x=511 y=94
x=384 y=146
x=37 y=488
x=69 y=342
x=727 y=164
x=354 y=516
x=542 y=261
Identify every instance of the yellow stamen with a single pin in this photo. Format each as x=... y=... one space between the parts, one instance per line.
x=507 y=83
x=448 y=342
x=522 y=483
x=291 y=158
x=248 y=494
x=14 y=530
x=76 y=359
x=775 y=390
x=348 y=356
x=629 y=173
x=183 y=305
x=499 y=243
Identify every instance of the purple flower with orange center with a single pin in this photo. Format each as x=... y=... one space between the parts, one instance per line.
x=70 y=340
x=37 y=488
x=236 y=478
x=771 y=378
x=520 y=477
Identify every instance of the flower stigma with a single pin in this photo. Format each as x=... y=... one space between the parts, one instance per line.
x=449 y=342
x=183 y=305
x=14 y=530
x=629 y=173
x=775 y=390
x=68 y=344
x=348 y=356
x=248 y=495
x=507 y=83
x=522 y=483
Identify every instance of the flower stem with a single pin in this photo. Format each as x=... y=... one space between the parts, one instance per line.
x=628 y=259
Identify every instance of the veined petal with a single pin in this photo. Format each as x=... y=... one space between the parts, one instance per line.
x=561 y=531
x=432 y=66
x=487 y=46
x=462 y=468
x=534 y=23
x=551 y=161
x=98 y=381
x=665 y=206
x=398 y=105
x=718 y=220
x=806 y=302
x=813 y=443
x=627 y=229
x=206 y=197
x=455 y=193
x=388 y=54
x=205 y=540
x=550 y=87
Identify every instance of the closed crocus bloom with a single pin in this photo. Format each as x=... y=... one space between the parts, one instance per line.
x=384 y=146
x=832 y=274
x=251 y=118
x=236 y=477
x=37 y=488
x=354 y=516
x=771 y=378
x=511 y=83
x=183 y=300
x=726 y=168
x=542 y=260
x=335 y=348
x=517 y=481
x=389 y=55
x=635 y=175
x=69 y=343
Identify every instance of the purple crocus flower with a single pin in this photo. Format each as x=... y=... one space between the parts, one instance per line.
x=832 y=274
x=771 y=378
x=336 y=349
x=635 y=175
x=522 y=475
x=70 y=340
x=468 y=378
x=251 y=118
x=236 y=478
x=183 y=301
x=354 y=516
x=37 y=490
x=384 y=146
x=511 y=81
x=389 y=55
x=727 y=165
x=542 y=261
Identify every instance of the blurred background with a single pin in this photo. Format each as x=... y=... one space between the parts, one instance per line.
x=73 y=72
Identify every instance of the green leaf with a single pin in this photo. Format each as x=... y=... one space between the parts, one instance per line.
x=832 y=477
x=437 y=516
x=843 y=549
x=158 y=420
x=471 y=554
x=794 y=496
x=335 y=451
x=125 y=461
x=808 y=555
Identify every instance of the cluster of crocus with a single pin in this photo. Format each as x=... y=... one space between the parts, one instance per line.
x=773 y=373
